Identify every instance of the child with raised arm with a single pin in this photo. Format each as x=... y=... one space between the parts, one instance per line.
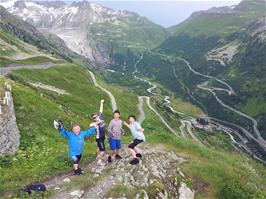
x=100 y=132
x=75 y=142
x=139 y=137
x=115 y=131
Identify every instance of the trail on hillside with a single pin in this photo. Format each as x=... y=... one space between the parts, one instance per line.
x=159 y=115
x=8 y=69
x=111 y=96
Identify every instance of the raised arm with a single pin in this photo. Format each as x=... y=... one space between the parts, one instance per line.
x=101 y=106
x=58 y=125
x=63 y=133
x=126 y=124
x=89 y=131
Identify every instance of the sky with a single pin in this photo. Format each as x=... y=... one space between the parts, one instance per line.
x=165 y=13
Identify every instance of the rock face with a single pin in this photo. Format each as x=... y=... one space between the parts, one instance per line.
x=9 y=133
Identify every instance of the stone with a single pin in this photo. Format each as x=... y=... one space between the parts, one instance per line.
x=78 y=193
x=67 y=180
x=9 y=132
x=185 y=192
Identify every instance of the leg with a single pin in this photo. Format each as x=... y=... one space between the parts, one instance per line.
x=101 y=148
x=75 y=166
x=118 y=147
x=101 y=154
x=131 y=147
x=112 y=148
x=133 y=152
x=137 y=150
x=75 y=160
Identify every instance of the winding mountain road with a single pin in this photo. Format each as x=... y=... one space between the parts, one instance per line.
x=203 y=86
x=230 y=90
x=111 y=96
x=141 y=98
x=189 y=130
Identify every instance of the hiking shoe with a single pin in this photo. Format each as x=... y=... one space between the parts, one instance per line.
x=134 y=161
x=139 y=155
x=78 y=171
x=118 y=157
x=109 y=159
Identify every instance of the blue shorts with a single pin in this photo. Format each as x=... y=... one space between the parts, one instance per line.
x=114 y=144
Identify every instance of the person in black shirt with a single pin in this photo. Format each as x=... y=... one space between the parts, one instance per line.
x=100 y=132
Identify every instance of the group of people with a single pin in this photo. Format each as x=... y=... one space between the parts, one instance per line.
x=76 y=138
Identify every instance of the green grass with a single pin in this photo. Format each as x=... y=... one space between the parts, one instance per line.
x=2 y=87
x=43 y=153
x=254 y=106
x=221 y=24
x=16 y=43
x=212 y=166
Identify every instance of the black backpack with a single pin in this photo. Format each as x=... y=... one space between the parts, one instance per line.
x=35 y=187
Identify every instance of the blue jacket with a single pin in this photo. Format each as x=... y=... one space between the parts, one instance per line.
x=75 y=142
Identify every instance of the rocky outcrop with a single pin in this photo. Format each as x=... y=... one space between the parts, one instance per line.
x=157 y=176
x=9 y=133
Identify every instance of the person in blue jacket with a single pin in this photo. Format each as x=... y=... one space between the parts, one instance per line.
x=75 y=142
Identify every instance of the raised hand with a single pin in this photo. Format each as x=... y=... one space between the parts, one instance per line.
x=58 y=124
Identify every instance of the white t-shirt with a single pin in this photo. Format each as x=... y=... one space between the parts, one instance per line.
x=136 y=132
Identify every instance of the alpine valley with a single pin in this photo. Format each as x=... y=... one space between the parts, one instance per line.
x=197 y=88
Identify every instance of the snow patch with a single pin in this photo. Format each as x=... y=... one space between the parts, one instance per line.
x=7 y=4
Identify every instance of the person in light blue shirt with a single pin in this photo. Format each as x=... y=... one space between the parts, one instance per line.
x=139 y=137
x=75 y=142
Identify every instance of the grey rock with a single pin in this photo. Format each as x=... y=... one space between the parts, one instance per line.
x=9 y=132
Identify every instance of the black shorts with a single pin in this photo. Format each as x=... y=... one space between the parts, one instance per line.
x=100 y=143
x=134 y=143
x=76 y=158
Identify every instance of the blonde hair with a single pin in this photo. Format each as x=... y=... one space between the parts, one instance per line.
x=75 y=125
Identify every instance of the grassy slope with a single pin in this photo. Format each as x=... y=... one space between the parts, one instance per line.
x=11 y=47
x=43 y=152
x=41 y=146
x=221 y=24
x=211 y=167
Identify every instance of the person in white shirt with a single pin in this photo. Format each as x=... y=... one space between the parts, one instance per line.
x=137 y=132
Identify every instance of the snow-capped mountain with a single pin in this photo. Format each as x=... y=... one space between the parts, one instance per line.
x=87 y=28
x=57 y=13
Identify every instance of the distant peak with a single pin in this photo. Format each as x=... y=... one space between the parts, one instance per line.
x=215 y=10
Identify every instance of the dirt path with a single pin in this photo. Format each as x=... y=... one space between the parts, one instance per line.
x=141 y=111
x=49 y=88
x=6 y=70
x=112 y=98
x=159 y=116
